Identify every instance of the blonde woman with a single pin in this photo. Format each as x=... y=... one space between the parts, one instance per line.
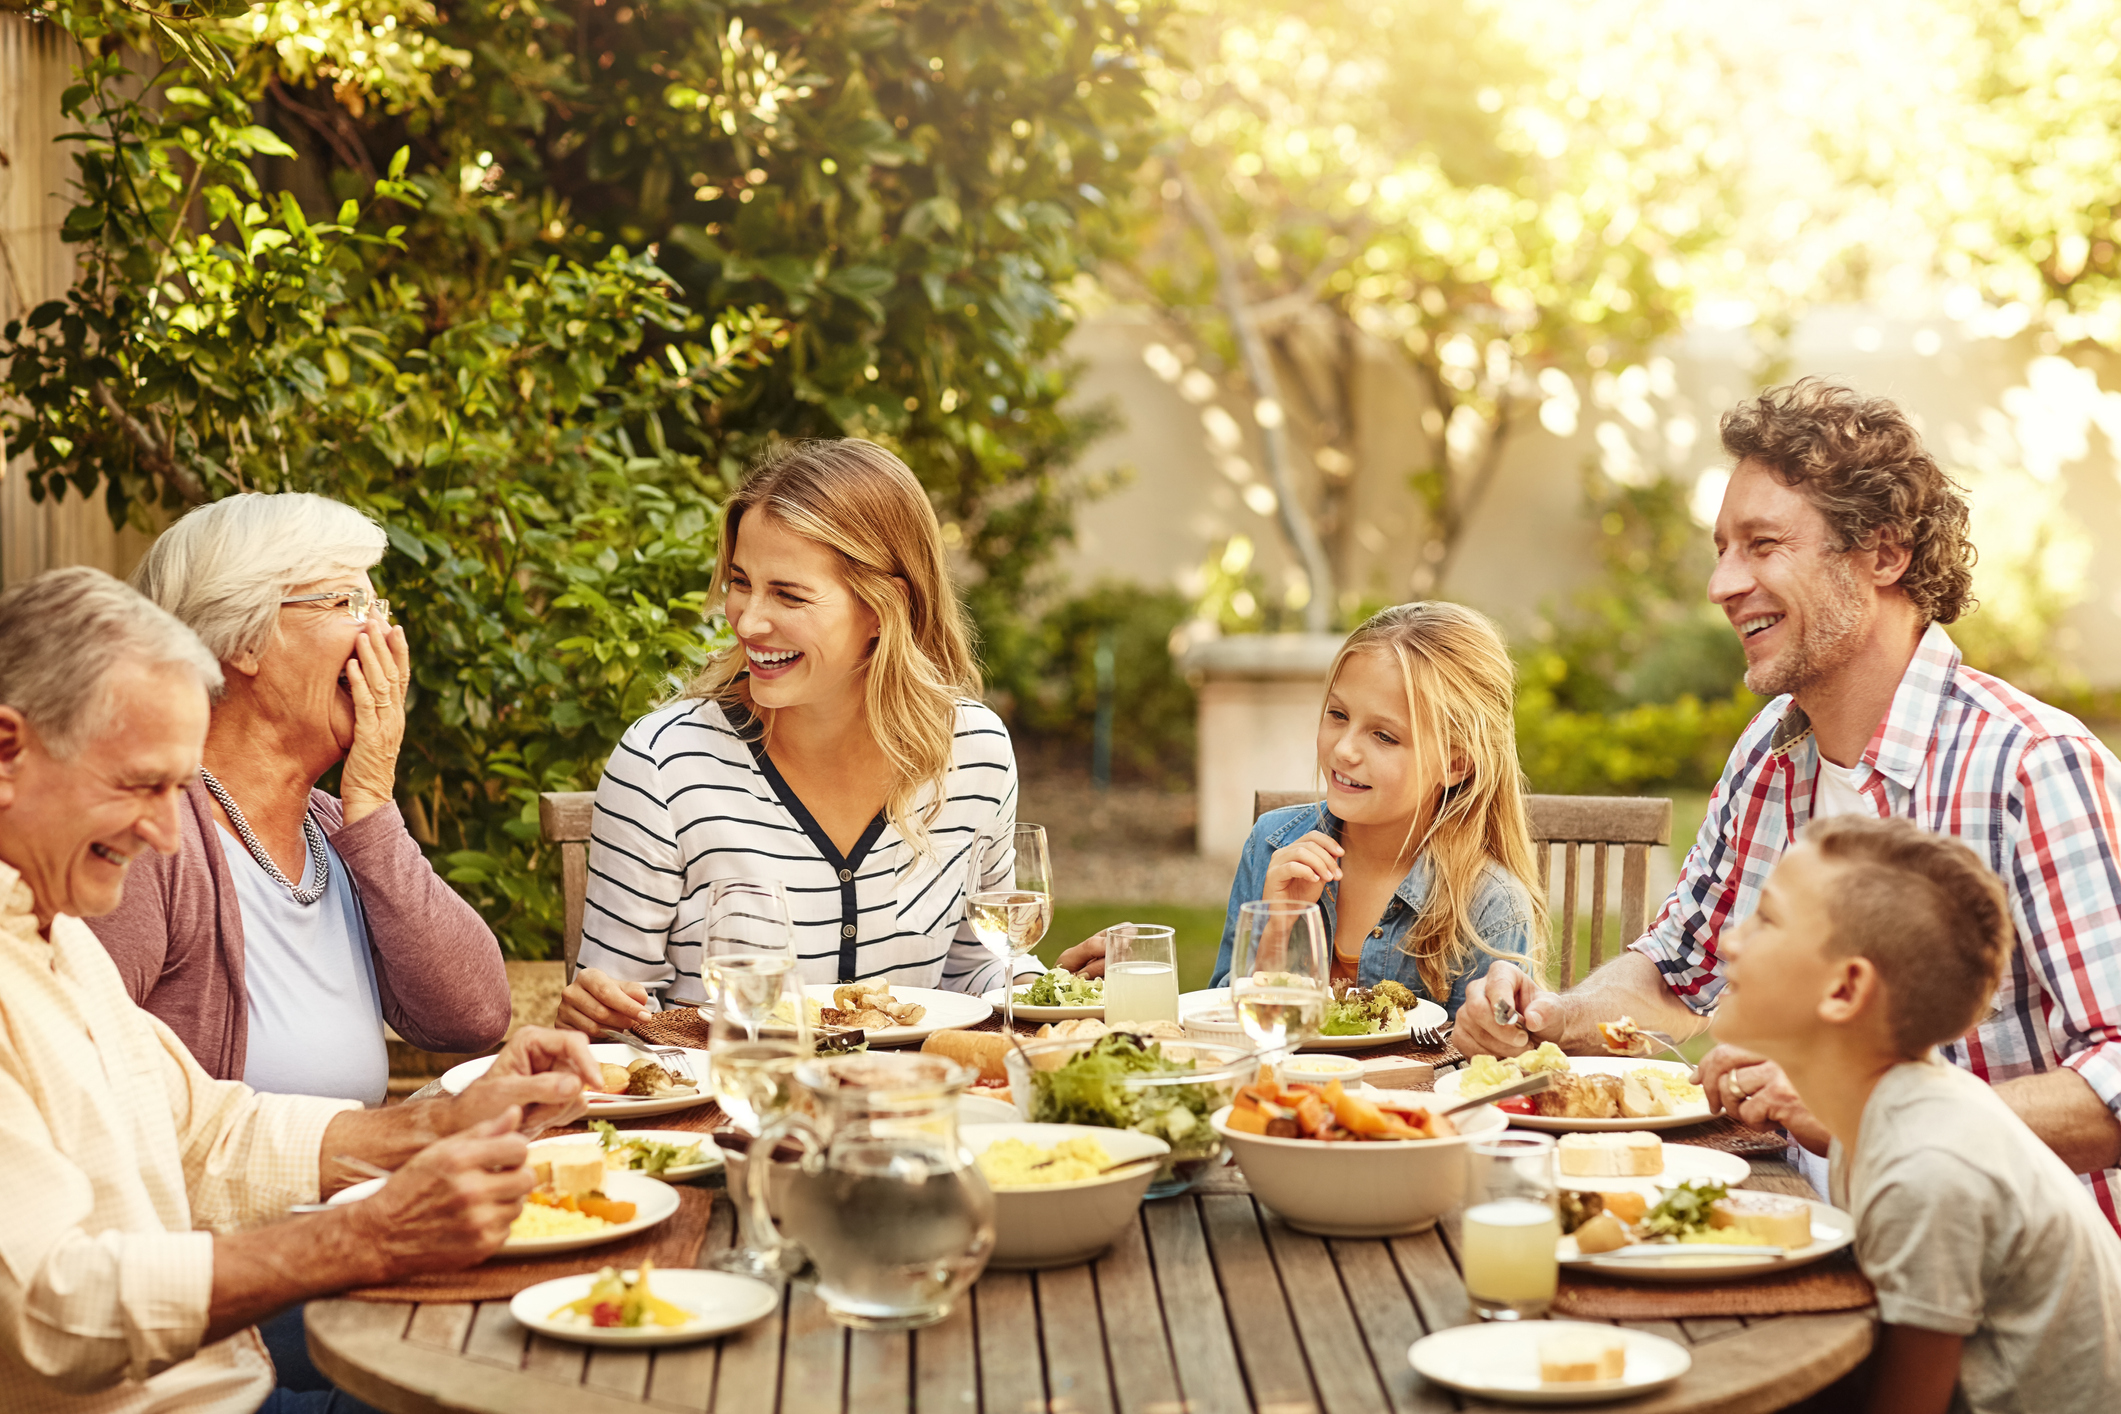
x=1419 y=856
x=838 y=746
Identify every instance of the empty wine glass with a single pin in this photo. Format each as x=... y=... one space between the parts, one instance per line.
x=1280 y=974
x=750 y=950
x=1009 y=899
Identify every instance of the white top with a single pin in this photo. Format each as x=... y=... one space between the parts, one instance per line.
x=1835 y=791
x=687 y=799
x=316 y=1020
x=1967 y=1224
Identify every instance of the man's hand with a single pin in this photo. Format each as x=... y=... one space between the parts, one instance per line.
x=1477 y=1033
x=451 y=1204
x=1086 y=958
x=596 y=1002
x=1300 y=870
x=1753 y=1090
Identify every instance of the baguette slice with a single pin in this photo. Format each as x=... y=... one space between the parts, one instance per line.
x=1770 y=1217
x=985 y=1051
x=1580 y=1359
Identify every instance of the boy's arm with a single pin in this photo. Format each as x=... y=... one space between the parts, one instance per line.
x=1914 y=1371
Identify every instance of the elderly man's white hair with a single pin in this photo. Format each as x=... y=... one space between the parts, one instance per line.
x=64 y=634
x=224 y=568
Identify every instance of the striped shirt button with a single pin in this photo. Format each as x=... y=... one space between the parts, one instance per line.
x=846 y=930
x=845 y=875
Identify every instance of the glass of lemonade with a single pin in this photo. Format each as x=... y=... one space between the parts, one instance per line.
x=1141 y=973
x=1009 y=899
x=1511 y=1227
x=1279 y=975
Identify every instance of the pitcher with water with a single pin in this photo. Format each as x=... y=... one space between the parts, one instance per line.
x=886 y=1203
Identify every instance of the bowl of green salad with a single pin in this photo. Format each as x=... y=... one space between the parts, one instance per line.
x=1165 y=1089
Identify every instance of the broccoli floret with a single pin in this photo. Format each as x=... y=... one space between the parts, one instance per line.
x=1395 y=993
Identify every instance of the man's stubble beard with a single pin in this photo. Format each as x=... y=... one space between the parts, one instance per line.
x=1828 y=642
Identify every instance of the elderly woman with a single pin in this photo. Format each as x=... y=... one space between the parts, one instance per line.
x=291 y=924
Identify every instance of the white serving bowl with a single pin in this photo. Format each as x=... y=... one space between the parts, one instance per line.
x=1059 y=1224
x=1356 y=1188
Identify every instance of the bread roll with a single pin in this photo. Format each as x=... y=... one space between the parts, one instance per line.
x=1636 y=1154
x=984 y=1051
x=1574 y=1358
x=1770 y=1217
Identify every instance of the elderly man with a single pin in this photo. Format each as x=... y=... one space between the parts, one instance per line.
x=137 y=1247
x=1841 y=551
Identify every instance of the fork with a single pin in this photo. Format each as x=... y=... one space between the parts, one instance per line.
x=1658 y=1036
x=1429 y=1038
x=670 y=1058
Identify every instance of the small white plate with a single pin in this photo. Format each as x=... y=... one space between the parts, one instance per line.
x=947 y=1011
x=1027 y=1012
x=1683 y=1163
x=1693 y=1112
x=1832 y=1230
x=606 y=1106
x=985 y=1109
x=1208 y=1016
x=653 y=1202
x=710 y=1152
x=720 y=1301
x=1500 y=1360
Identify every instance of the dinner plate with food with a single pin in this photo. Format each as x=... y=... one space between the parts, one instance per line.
x=1698 y=1231
x=1637 y=1161
x=1549 y=1362
x=578 y=1203
x=888 y=1015
x=1586 y=1093
x=633 y=1084
x=644 y=1307
x=1055 y=995
x=1357 y=1018
x=673 y=1155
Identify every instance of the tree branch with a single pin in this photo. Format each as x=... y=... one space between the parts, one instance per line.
x=331 y=124
x=154 y=455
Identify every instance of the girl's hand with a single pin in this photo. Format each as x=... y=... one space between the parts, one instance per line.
x=1300 y=871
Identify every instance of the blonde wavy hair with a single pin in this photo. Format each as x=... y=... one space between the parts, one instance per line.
x=1461 y=701
x=861 y=502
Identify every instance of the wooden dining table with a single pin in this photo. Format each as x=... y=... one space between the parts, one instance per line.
x=1208 y=1303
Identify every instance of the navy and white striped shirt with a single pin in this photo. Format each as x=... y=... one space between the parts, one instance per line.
x=690 y=797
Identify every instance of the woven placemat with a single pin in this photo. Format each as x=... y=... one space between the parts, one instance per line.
x=1731 y=1137
x=672 y=1243
x=1833 y=1285
x=680 y=1026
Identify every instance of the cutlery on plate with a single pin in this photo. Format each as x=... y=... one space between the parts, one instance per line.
x=1530 y=1085
x=1658 y=1037
x=1658 y=1252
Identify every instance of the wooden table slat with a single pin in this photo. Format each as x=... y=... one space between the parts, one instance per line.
x=1348 y=1382
x=1006 y=1317
x=1439 y=1292
x=684 y=1375
x=441 y=1325
x=1259 y=1313
x=619 y=1371
x=1384 y=1311
x=813 y=1356
x=946 y=1364
x=1703 y=1328
x=879 y=1372
x=1072 y=1338
x=748 y=1379
x=557 y=1360
x=495 y=1337
x=1208 y=1377
x=1144 y=1381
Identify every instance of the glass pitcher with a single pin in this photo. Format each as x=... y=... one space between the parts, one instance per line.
x=886 y=1203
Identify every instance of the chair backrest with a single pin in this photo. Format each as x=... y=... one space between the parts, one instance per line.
x=1574 y=823
x=563 y=817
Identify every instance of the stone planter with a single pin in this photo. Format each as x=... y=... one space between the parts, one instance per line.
x=1260 y=696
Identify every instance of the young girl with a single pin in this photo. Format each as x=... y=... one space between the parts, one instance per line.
x=1419 y=855
x=838 y=746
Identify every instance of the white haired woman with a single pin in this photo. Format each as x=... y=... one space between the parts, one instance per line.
x=291 y=924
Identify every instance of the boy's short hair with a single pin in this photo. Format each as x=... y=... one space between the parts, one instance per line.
x=1930 y=916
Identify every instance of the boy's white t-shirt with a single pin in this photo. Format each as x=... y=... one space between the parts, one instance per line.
x=1968 y=1225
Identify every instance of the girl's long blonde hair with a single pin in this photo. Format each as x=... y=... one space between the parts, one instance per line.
x=1461 y=698
x=860 y=501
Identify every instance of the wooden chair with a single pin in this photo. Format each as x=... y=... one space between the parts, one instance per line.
x=563 y=816
x=1601 y=823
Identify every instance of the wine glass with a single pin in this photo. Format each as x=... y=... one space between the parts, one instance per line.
x=750 y=949
x=1009 y=899
x=1280 y=974
x=754 y=1082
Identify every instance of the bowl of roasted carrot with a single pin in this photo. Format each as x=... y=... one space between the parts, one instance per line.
x=1344 y=1162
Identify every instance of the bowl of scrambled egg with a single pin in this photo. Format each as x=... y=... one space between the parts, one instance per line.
x=1055 y=1202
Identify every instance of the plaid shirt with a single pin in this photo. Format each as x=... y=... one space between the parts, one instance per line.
x=2028 y=787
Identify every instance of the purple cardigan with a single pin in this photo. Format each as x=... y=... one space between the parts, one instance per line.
x=177 y=938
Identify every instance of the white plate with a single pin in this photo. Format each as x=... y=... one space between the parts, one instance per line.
x=653 y=1202
x=1691 y=1113
x=710 y=1160
x=1207 y=1015
x=1682 y=1163
x=985 y=1109
x=1027 y=1012
x=721 y=1301
x=1500 y=1360
x=947 y=1011
x=605 y=1106
x=1832 y=1230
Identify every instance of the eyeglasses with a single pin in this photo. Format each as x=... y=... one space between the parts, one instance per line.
x=358 y=603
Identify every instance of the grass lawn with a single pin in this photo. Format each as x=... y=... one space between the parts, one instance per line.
x=1198 y=932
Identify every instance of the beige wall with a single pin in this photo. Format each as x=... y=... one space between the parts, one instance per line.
x=35 y=266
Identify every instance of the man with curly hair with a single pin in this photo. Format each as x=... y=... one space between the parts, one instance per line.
x=1842 y=551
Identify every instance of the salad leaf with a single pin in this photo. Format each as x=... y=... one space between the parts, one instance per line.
x=1091 y=1089
x=650 y=1156
x=1685 y=1209
x=1346 y=1018
x=1060 y=987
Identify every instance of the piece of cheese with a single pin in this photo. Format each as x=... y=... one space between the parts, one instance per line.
x=1635 y=1154
x=1602 y=1233
x=577 y=1170
x=1770 y=1217
x=1574 y=1358
x=1643 y=1097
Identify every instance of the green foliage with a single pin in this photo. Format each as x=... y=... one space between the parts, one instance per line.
x=1051 y=699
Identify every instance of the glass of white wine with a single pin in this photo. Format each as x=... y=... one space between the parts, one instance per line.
x=1280 y=974
x=750 y=949
x=1009 y=899
x=754 y=1074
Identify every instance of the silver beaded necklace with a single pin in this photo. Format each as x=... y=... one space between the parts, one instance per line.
x=319 y=861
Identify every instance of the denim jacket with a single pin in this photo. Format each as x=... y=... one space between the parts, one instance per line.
x=1502 y=912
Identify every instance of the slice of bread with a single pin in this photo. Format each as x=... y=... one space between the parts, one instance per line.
x=1635 y=1154
x=1769 y=1217
x=1575 y=1358
x=577 y=1170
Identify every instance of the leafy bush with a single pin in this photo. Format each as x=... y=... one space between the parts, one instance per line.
x=1048 y=691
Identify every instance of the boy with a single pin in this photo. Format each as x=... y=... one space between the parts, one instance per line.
x=1999 y=1282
